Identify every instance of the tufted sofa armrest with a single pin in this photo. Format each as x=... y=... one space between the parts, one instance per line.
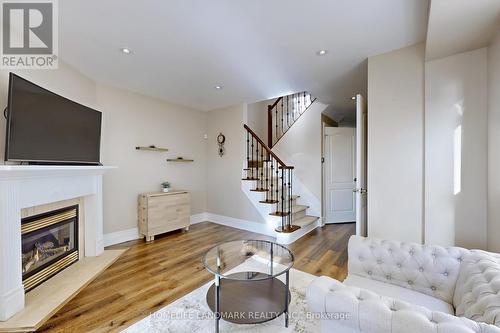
x=431 y=270
x=353 y=309
x=477 y=295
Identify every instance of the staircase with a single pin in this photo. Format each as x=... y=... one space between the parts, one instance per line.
x=284 y=112
x=273 y=179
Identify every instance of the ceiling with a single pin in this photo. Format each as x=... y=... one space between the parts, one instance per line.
x=255 y=49
x=457 y=26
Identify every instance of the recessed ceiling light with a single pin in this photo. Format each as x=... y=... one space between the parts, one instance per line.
x=321 y=52
x=125 y=50
x=218 y=87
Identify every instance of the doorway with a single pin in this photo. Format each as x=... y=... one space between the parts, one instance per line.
x=344 y=170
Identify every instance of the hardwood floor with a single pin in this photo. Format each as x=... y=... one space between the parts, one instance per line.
x=149 y=276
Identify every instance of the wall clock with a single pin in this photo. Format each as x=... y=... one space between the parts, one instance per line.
x=220 y=141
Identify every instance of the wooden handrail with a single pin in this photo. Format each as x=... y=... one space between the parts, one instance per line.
x=270 y=107
x=267 y=149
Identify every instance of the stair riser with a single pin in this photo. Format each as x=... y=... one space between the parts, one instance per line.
x=295 y=217
x=299 y=215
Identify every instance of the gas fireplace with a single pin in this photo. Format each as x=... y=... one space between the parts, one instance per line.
x=49 y=244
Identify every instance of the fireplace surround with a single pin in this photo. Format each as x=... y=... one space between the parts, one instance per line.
x=22 y=187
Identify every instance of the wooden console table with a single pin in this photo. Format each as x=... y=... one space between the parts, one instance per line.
x=160 y=212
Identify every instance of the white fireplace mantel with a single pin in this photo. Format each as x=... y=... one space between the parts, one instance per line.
x=29 y=186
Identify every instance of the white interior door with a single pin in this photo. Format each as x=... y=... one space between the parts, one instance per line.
x=361 y=197
x=340 y=171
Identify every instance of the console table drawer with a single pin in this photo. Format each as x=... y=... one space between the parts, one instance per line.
x=163 y=212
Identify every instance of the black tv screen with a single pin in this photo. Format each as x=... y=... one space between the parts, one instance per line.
x=47 y=128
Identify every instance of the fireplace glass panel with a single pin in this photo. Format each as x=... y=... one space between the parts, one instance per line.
x=42 y=247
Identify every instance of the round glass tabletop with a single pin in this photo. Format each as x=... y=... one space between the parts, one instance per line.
x=248 y=260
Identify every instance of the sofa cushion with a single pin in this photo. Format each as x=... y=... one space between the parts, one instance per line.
x=431 y=270
x=477 y=294
x=344 y=308
x=403 y=294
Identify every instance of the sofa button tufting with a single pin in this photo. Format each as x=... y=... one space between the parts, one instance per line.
x=410 y=282
x=445 y=273
x=369 y=272
x=433 y=288
x=399 y=265
x=388 y=277
x=421 y=269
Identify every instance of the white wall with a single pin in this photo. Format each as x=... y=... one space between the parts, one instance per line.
x=129 y=120
x=456 y=150
x=301 y=147
x=494 y=144
x=395 y=144
x=224 y=173
x=257 y=118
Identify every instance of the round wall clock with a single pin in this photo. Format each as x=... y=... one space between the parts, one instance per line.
x=220 y=140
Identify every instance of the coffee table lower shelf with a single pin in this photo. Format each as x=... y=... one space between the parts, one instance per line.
x=249 y=301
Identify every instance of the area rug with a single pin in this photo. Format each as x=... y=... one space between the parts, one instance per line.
x=191 y=313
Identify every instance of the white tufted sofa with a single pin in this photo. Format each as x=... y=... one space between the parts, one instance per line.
x=410 y=288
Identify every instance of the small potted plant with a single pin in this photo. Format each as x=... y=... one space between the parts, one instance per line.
x=165 y=186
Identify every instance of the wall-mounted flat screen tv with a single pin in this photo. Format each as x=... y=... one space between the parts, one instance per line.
x=43 y=127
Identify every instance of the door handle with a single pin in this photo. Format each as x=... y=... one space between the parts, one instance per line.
x=356 y=190
x=360 y=190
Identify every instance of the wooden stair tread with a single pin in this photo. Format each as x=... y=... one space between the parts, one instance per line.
x=249 y=178
x=295 y=209
x=306 y=220
x=269 y=201
x=259 y=190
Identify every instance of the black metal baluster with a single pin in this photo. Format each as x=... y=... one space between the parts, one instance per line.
x=277 y=187
x=267 y=175
x=276 y=121
x=253 y=162
x=287 y=119
x=298 y=104
x=258 y=164
x=248 y=153
x=272 y=182
x=282 y=197
x=262 y=168
x=282 y=123
x=290 y=179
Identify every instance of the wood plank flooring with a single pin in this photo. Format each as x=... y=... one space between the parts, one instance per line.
x=150 y=276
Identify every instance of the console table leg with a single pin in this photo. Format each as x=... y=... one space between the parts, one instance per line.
x=217 y=303
x=287 y=290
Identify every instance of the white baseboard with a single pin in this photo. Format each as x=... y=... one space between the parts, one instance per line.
x=198 y=218
x=121 y=236
x=260 y=228
x=127 y=235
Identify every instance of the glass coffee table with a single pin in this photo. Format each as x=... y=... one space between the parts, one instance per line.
x=246 y=289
